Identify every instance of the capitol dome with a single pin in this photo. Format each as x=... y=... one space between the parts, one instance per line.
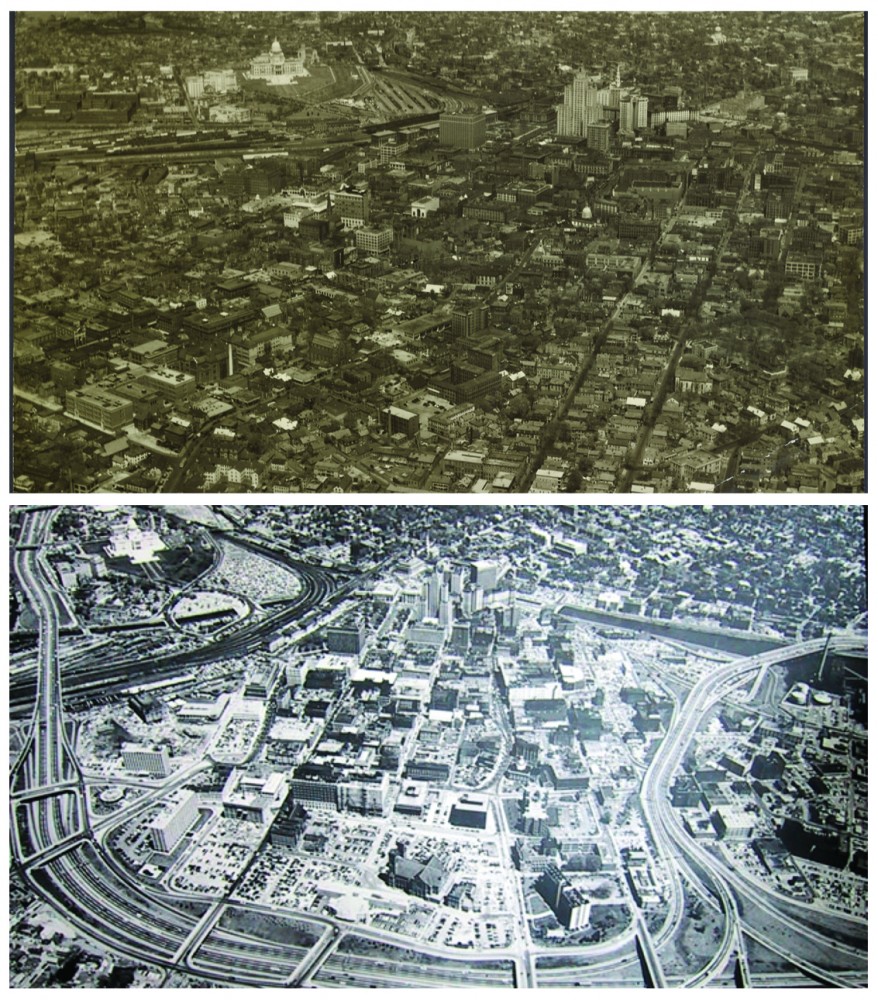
x=275 y=46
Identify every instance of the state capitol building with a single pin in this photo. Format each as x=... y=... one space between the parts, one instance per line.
x=276 y=68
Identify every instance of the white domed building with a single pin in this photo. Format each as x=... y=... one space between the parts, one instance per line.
x=276 y=68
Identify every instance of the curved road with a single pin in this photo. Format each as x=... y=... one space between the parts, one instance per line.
x=728 y=886
x=64 y=861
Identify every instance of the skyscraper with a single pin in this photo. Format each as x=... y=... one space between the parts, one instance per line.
x=632 y=113
x=569 y=904
x=583 y=105
x=587 y=103
x=484 y=573
x=175 y=819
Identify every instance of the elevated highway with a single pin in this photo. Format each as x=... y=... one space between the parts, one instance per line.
x=744 y=904
x=60 y=854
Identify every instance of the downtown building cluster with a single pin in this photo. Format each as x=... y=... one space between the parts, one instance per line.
x=653 y=287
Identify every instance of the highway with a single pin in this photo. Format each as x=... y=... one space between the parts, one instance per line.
x=54 y=848
x=320 y=590
x=526 y=976
x=740 y=900
x=61 y=855
x=65 y=863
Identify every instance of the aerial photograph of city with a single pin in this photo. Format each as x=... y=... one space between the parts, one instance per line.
x=438 y=745
x=438 y=252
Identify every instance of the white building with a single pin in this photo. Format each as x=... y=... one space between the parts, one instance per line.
x=422 y=207
x=220 y=81
x=129 y=541
x=195 y=86
x=373 y=239
x=275 y=68
x=175 y=820
x=152 y=760
x=253 y=798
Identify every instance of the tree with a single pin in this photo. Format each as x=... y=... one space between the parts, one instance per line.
x=519 y=408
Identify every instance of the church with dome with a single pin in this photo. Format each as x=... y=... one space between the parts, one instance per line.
x=276 y=68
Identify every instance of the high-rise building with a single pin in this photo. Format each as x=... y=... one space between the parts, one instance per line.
x=346 y=638
x=569 y=904
x=457 y=577
x=472 y=600
x=390 y=148
x=485 y=573
x=465 y=130
x=768 y=767
x=468 y=319
x=374 y=239
x=598 y=136
x=400 y=421
x=460 y=637
x=315 y=785
x=633 y=113
x=367 y=794
x=431 y=594
x=195 y=86
x=584 y=103
x=445 y=611
x=174 y=821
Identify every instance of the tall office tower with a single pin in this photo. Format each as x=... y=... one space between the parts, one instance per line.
x=152 y=760
x=432 y=594
x=445 y=612
x=472 y=600
x=346 y=638
x=569 y=905
x=464 y=130
x=175 y=820
x=484 y=573
x=460 y=636
x=632 y=113
x=615 y=92
x=457 y=578
x=598 y=136
x=584 y=104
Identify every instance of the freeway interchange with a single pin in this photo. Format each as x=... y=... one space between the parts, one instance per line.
x=60 y=851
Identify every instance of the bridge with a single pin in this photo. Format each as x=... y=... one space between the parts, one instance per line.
x=653 y=973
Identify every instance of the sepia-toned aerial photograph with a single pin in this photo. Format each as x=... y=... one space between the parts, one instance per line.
x=438 y=746
x=431 y=252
